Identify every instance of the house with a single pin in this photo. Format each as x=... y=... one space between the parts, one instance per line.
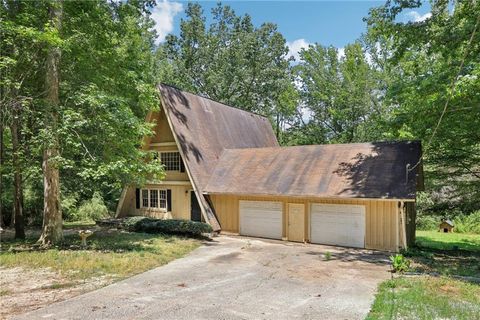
x=225 y=166
x=446 y=226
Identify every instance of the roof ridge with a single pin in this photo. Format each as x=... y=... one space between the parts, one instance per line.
x=331 y=144
x=208 y=98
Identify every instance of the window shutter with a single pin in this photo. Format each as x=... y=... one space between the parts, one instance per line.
x=137 y=198
x=182 y=165
x=169 y=200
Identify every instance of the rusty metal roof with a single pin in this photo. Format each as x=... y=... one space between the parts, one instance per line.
x=204 y=128
x=359 y=170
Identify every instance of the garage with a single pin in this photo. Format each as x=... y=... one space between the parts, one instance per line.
x=338 y=224
x=261 y=219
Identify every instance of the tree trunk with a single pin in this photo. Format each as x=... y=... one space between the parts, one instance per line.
x=52 y=214
x=18 y=190
x=1 y=163
x=277 y=129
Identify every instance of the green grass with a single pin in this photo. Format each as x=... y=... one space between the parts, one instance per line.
x=448 y=241
x=78 y=224
x=113 y=253
x=426 y=298
x=5 y=292
x=446 y=253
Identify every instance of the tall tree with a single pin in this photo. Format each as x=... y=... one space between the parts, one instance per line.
x=230 y=61
x=97 y=119
x=52 y=211
x=433 y=68
x=339 y=93
x=17 y=216
x=2 y=107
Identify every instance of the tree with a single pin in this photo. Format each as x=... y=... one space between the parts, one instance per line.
x=422 y=60
x=340 y=93
x=52 y=211
x=17 y=217
x=230 y=61
x=94 y=114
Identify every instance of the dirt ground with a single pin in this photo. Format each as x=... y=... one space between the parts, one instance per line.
x=25 y=290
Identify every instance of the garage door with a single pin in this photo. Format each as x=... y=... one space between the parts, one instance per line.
x=342 y=225
x=261 y=219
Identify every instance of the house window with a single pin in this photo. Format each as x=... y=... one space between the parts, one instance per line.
x=163 y=199
x=154 y=199
x=171 y=160
x=145 y=198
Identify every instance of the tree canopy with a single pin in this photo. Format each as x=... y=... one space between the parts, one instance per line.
x=400 y=80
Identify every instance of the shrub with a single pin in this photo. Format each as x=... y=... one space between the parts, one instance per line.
x=150 y=225
x=399 y=263
x=427 y=222
x=92 y=209
x=133 y=223
x=69 y=206
x=468 y=223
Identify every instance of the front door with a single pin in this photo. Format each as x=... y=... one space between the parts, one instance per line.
x=296 y=222
x=195 y=211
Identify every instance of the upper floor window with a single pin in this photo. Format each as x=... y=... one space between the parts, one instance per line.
x=171 y=160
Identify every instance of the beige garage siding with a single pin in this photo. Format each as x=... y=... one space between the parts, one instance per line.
x=381 y=216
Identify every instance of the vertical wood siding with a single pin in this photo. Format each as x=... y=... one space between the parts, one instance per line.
x=380 y=215
x=180 y=203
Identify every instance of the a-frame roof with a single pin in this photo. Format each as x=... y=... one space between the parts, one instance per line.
x=204 y=128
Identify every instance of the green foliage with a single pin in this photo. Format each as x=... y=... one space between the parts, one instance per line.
x=468 y=223
x=418 y=61
x=426 y=222
x=107 y=72
x=340 y=93
x=328 y=255
x=231 y=61
x=400 y=263
x=93 y=209
x=150 y=225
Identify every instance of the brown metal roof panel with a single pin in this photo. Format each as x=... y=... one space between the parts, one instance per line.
x=366 y=170
x=204 y=128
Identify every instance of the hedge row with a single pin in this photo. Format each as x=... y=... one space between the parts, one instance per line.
x=151 y=225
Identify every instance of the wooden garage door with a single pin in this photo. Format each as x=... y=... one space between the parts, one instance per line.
x=261 y=219
x=335 y=224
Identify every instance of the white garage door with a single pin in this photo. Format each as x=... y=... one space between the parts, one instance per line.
x=342 y=225
x=261 y=219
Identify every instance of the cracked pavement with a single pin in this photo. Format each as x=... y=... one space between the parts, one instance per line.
x=236 y=277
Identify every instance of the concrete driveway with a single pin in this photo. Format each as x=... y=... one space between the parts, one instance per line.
x=239 y=278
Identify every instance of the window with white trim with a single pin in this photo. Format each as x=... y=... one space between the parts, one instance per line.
x=163 y=199
x=145 y=198
x=171 y=160
x=154 y=199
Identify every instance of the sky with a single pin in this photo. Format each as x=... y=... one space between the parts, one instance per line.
x=334 y=23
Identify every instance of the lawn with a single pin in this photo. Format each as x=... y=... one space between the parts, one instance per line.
x=448 y=241
x=112 y=253
x=32 y=277
x=436 y=294
x=426 y=298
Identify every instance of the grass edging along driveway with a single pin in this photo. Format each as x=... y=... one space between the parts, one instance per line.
x=454 y=293
x=110 y=255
